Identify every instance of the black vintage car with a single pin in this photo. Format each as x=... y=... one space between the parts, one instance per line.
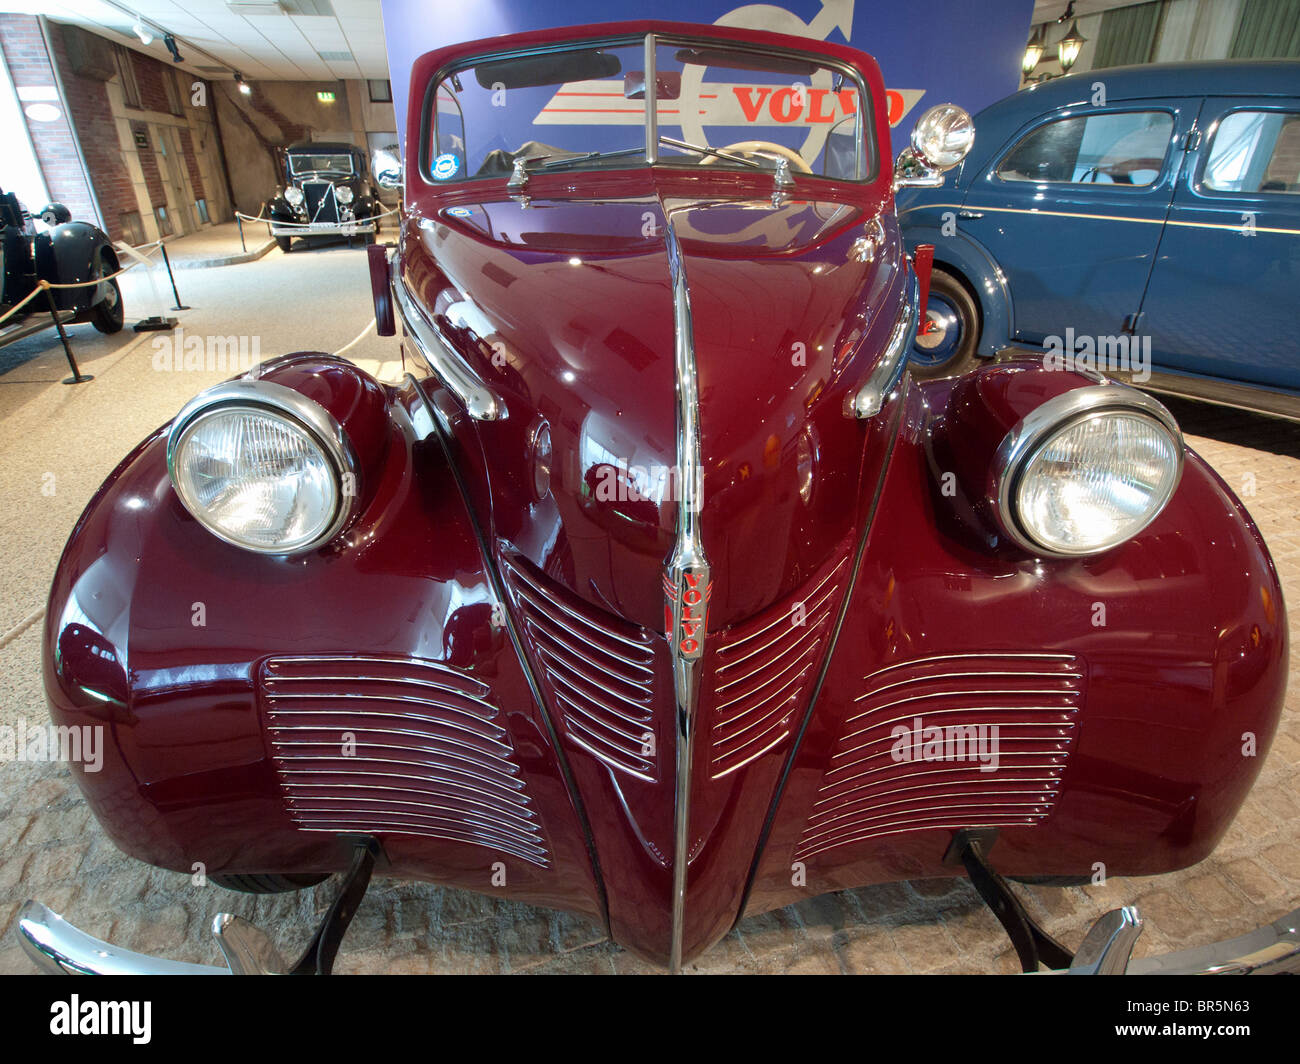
x=327 y=191
x=67 y=252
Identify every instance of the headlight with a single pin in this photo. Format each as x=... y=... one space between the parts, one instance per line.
x=1087 y=470
x=262 y=467
x=343 y=194
x=294 y=196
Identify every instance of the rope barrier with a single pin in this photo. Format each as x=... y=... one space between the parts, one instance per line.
x=360 y=336
x=308 y=225
x=43 y=285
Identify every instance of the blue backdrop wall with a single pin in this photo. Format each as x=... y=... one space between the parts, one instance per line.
x=931 y=51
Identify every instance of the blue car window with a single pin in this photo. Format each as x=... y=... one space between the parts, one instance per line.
x=1117 y=148
x=1255 y=151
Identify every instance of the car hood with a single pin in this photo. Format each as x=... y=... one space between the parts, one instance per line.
x=564 y=305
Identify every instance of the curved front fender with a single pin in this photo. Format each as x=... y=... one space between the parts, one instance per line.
x=71 y=253
x=1105 y=715
x=253 y=709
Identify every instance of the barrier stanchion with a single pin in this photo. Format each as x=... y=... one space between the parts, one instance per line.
x=172 y=277
x=77 y=376
x=239 y=220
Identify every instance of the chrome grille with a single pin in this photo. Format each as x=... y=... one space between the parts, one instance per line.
x=426 y=755
x=599 y=670
x=321 y=203
x=875 y=786
x=764 y=669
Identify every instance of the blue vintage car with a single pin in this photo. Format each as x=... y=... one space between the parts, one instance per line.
x=1144 y=218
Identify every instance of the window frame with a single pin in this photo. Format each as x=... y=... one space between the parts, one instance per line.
x=869 y=146
x=172 y=90
x=1198 y=178
x=994 y=169
x=351 y=171
x=123 y=60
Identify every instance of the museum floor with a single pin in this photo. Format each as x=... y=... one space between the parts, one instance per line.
x=52 y=850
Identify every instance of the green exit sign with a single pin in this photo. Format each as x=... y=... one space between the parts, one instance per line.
x=325 y=97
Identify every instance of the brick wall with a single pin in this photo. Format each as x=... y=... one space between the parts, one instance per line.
x=149 y=77
x=92 y=114
x=192 y=164
x=90 y=123
x=54 y=142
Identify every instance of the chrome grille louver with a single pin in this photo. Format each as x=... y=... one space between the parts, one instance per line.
x=764 y=669
x=869 y=791
x=322 y=206
x=426 y=756
x=599 y=669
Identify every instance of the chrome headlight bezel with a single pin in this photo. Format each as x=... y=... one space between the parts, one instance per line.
x=305 y=415
x=1042 y=426
x=294 y=196
x=344 y=194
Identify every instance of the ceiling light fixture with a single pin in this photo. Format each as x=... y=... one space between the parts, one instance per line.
x=244 y=86
x=142 y=31
x=1069 y=47
x=1033 y=52
x=156 y=29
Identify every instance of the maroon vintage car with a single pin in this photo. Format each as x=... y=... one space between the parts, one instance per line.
x=661 y=593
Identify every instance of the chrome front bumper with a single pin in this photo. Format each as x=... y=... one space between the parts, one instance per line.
x=59 y=948
x=1271 y=950
x=324 y=228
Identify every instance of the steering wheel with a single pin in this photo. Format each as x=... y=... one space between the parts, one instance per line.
x=764 y=149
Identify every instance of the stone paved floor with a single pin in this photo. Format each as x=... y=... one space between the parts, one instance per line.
x=219 y=245
x=51 y=849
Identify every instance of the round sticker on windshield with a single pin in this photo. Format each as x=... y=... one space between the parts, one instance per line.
x=460 y=212
x=445 y=166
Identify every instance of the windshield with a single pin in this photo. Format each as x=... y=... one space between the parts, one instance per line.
x=585 y=107
x=338 y=162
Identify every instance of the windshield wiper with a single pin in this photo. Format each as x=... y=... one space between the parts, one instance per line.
x=519 y=175
x=780 y=175
x=701 y=150
x=555 y=164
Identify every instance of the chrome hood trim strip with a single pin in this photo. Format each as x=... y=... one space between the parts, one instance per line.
x=482 y=403
x=686 y=583
x=868 y=400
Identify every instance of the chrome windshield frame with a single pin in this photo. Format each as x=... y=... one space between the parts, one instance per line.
x=868 y=162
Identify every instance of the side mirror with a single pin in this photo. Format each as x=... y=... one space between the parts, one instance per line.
x=941 y=139
x=387 y=167
x=53 y=214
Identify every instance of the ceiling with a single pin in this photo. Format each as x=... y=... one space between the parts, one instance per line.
x=289 y=40
x=292 y=40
